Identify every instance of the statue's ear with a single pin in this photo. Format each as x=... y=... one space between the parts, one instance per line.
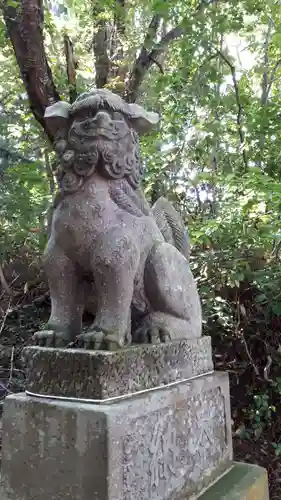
x=142 y=121
x=58 y=115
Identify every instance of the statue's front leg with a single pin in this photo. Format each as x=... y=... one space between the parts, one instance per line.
x=114 y=271
x=67 y=300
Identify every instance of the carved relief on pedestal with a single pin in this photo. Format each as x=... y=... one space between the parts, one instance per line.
x=170 y=447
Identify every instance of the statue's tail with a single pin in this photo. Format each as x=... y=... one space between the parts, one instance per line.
x=171 y=226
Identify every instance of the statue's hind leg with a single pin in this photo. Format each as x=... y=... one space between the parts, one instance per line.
x=172 y=294
x=67 y=300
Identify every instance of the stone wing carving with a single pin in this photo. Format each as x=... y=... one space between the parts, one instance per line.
x=171 y=225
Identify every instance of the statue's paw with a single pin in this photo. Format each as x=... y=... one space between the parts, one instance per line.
x=98 y=340
x=148 y=334
x=113 y=343
x=50 y=338
x=93 y=339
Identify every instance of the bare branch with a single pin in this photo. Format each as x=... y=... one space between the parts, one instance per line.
x=49 y=172
x=266 y=370
x=107 y=43
x=272 y=77
x=239 y=118
x=5 y=317
x=116 y=53
x=71 y=65
x=266 y=85
x=264 y=94
x=102 y=63
x=119 y=17
x=24 y=26
x=240 y=332
x=101 y=45
x=146 y=59
x=158 y=64
x=173 y=34
x=150 y=35
x=4 y=283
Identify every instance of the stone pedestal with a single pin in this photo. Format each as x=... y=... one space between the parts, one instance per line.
x=99 y=375
x=145 y=423
x=242 y=482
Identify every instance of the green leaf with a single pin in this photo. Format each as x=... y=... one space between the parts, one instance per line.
x=13 y=3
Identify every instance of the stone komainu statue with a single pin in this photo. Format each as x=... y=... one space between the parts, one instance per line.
x=108 y=250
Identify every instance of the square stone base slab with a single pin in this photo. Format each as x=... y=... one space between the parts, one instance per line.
x=153 y=446
x=242 y=482
x=96 y=375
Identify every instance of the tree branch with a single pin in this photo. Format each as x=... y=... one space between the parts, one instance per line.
x=266 y=60
x=49 y=172
x=173 y=34
x=239 y=106
x=118 y=69
x=101 y=46
x=265 y=88
x=272 y=77
x=4 y=283
x=158 y=64
x=24 y=26
x=71 y=65
x=146 y=59
x=150 y=35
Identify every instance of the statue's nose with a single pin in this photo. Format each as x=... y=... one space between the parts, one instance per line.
x=102 y=119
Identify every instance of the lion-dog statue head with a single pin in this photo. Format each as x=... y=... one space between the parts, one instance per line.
x=99 y=132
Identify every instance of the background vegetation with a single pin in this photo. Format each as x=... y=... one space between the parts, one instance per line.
x=212 y=69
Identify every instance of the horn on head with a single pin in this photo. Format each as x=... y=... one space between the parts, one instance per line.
x=58 y=110
x=143 y=121
x=57 y=115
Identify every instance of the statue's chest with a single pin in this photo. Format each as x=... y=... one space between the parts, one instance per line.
x=78 y=215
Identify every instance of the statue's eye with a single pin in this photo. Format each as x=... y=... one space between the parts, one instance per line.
x=117 y=116
x=91 y=113
x=87 y=125
x=85 y=114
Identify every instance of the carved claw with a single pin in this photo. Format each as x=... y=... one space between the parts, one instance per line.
x=150 y=335
x=98 y=340
x=113 y=343
x=50 y=338
x=90 y=340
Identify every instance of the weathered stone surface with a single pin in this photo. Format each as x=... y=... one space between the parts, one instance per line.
x=242 y=482
x=106 y=242
x=104 y=374
x=154 y=446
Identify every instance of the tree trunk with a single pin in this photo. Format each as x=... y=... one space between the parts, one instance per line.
x=24 y=24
